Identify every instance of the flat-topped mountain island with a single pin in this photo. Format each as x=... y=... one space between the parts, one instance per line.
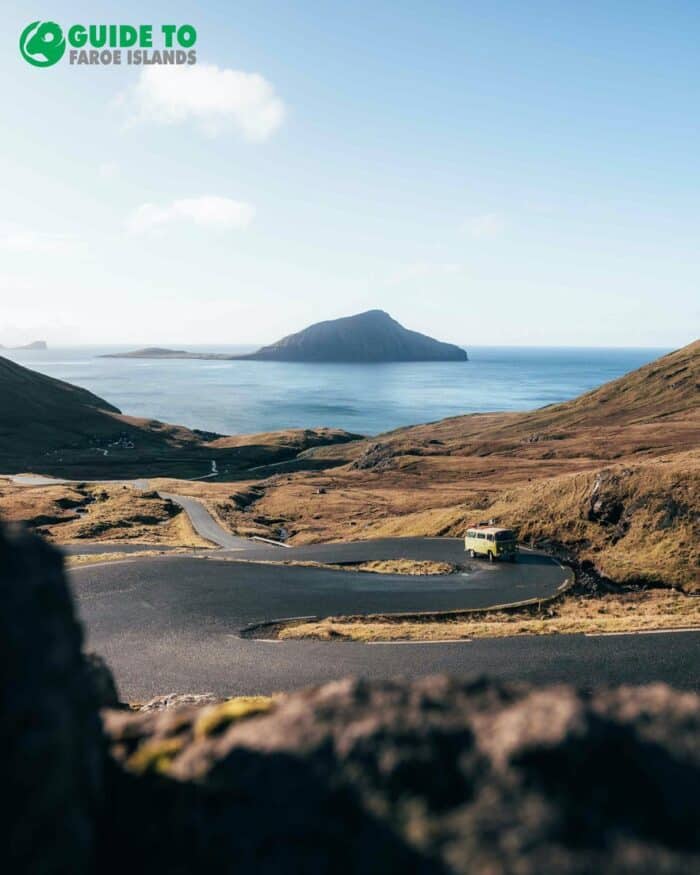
x=366 y=338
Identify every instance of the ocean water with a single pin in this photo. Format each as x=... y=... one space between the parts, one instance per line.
x=241 y=397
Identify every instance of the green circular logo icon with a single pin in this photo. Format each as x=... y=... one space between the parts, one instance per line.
x=42 y=43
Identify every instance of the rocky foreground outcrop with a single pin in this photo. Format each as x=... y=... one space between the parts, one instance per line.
x=432 y=776
x=52 y=763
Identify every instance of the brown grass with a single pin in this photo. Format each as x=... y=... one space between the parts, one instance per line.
x=647 y=529
x=405 y=566
x=629 y=612
x=614 y=476
x=411 y=567
x=295 y=439
x=98 y=558
x=68 y=513
x=644 y=531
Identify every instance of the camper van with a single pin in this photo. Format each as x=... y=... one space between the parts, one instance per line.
x=491 y=542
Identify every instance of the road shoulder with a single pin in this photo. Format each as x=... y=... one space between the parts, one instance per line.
x=570 y=614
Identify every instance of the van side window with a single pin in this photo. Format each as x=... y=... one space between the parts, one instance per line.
x=489 y=537
x=480 y=535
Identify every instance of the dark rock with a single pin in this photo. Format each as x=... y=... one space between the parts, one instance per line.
x=672 y=512
x=50 y=733
x=384 y=456
x=47 y=519
x=178 y=700
x=244 y=498
x=101 y=679
x=536 y=437
x=375 y=456
x=68 y=503
x=430 y=776
x=605 y=505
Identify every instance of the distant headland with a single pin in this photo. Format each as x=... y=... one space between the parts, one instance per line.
x=36 y=344
x=366 y=338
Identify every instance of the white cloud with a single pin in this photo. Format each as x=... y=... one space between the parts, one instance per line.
x=484 y=227
x=210 y=211
x=215 y=98
x=36 y=242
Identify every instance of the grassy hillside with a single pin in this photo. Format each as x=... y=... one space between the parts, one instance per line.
x=51 y=427
x=613 y=475
x=653 y=409
x=27 y=396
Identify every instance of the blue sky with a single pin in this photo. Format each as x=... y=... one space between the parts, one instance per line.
x=488 y=172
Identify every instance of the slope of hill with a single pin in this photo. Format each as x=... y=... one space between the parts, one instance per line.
x=52 y=427
x=655 y=409
x=366 y=337
x=613 y=475
x=27 y=396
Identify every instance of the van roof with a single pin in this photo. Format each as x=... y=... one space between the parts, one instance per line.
x=490 y=530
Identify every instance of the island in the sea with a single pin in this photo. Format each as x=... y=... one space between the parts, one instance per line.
x=36 y=344
x=371 y=337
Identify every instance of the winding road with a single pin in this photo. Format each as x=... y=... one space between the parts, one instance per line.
x=173 y=623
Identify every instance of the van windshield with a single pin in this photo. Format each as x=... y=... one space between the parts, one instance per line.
x=505 y=535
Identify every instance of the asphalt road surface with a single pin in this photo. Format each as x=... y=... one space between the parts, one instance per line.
x=204 y=524
x=172 y=624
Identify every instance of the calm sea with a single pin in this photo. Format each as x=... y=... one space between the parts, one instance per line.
x=239 y=397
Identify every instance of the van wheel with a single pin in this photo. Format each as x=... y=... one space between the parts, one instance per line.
x=472 y=554
x=492 y=558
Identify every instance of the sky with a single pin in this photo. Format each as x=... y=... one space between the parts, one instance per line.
x=487 y=172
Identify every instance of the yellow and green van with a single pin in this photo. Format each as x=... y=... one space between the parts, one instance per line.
x=491 y=542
